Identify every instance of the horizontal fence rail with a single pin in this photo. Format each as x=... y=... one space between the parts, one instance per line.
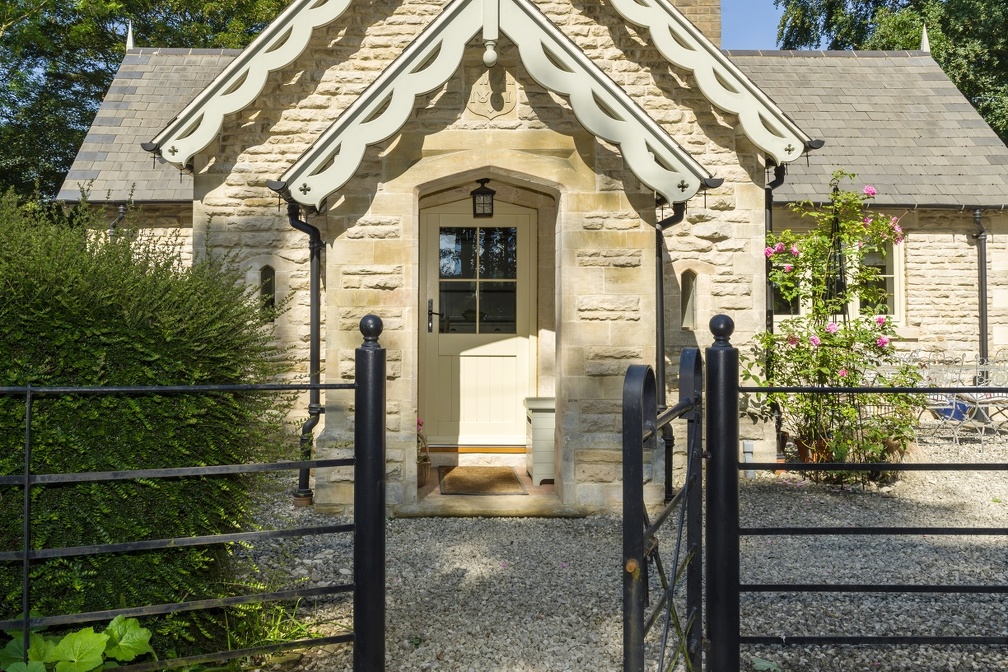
x=724 y=531
x=642 y=424
x=367 y=529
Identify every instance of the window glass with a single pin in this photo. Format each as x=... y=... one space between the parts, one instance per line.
x=478 y=280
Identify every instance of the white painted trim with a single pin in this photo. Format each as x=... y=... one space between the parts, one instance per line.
x=243 y=79
x=335 y=156
x=551 y=58
x=559 y=65
x=720 y=80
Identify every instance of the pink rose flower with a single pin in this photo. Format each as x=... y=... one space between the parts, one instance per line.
x=832 y=328
x=814 y=340
x=788 y=268
x=794 y=250
x=768 y=252
x=882 y=341
x=869 y=190
x=842 y=373
x=779 y=247
x=880 y=320
x=792 y=339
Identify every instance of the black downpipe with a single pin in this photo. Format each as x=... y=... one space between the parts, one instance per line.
x=668 y=442
x=778 y=180
x=981 y=238
x=304 y=496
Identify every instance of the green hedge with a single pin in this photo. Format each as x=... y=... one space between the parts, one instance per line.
x=79 y=309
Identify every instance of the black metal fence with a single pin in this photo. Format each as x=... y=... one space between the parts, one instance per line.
x=643 y=423
x=368 y=526
x=724 y=585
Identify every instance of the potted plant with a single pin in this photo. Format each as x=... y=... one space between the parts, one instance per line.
x=423 y=455
x=823 y=270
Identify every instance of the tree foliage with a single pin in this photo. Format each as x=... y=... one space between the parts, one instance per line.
x=968 y=39
x=58 y=57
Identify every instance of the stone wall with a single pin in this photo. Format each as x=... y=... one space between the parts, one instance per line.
x=596 y=235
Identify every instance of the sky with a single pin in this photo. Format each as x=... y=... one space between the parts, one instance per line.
x=749 y=24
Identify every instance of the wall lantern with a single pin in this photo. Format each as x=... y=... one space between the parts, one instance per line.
x=482 y=199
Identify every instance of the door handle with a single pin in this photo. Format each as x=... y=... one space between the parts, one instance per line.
x=430 y=315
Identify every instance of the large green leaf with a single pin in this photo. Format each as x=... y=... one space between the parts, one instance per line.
x=81 y=651
x=13 y=652
x=127 y=639
x=32 y=666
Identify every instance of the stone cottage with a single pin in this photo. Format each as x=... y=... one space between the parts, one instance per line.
x=384 y=127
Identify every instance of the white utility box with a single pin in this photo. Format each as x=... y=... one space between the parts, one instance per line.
x=539 y=445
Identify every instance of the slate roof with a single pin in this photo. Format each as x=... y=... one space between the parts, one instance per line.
x=150 y=88
x=892 y=118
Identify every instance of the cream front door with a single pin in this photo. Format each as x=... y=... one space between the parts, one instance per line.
x=477 y=342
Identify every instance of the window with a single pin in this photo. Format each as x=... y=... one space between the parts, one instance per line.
x=890 y=279
x=478 y=279
x=687 y=300
x=267 y=288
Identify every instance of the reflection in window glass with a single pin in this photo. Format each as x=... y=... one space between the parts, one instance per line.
x=458 y=307
x=885 y=282
x=498 y=252
x=458 y=252
x=478 y=287
x=498 y=307
x=267 y=288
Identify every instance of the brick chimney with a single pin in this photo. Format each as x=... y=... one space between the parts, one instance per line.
x=705 y=15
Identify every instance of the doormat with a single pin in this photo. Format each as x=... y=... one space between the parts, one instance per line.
x=480 y=481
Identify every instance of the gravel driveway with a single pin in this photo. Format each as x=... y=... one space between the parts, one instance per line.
x=541 y=595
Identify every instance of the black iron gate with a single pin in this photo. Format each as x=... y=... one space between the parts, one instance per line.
x=723 y=529
x=642 y=425
x=368 y=527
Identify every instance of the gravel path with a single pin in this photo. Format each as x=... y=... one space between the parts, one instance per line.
x=541 y=595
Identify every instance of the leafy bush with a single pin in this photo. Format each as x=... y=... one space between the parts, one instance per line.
x=79 y=309
x=79 y=651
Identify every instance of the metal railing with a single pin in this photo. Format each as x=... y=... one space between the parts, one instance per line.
x=642 y=423
x=724 y=586
x=368 y=527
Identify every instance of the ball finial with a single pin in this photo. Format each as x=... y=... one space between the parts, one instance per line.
x=371 y=327
x=722 y=327
x=490 y=55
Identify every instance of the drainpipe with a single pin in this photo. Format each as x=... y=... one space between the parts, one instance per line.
x=981 y=238
x=678 y=214
x=114 y=222
x=304 y=496
x=778 y=180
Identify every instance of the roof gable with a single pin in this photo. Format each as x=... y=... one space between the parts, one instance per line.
x=722 y=83
x=540 y=43
x=551 y=58
x=243 y=79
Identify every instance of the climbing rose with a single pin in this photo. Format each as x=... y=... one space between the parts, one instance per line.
x=794 y=250
x=832 y=328
x=880 y=320
x=779 y=247
x=842 y=373
x=792 y=339
x=768 y=252
x=788 y=268
x=882 y=341
x=869 y=190
x=814 y=340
